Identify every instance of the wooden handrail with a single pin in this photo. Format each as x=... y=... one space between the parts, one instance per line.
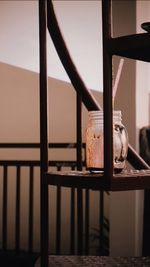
x=37 y=145
x=63 y=53
x=87 y=97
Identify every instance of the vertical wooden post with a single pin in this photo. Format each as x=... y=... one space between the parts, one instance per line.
x=79 y=167
x=4 y=212
x=79 y=131
x=31 y=195
x=43 y=132
x=17 y=230
x=107 y=99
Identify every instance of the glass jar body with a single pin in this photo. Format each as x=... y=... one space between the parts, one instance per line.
x=95 y=142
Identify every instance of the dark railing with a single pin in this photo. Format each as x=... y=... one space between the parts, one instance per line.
x=75 y=197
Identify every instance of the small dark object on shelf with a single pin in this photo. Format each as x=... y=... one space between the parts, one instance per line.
x=146 y=26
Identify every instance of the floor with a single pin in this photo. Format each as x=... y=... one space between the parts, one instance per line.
x=96 y=261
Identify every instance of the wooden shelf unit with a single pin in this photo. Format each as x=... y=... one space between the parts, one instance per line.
x=137 y=47
x=134 y=46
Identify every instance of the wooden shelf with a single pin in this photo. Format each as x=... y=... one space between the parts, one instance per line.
x=136 y=46
x=126 y=180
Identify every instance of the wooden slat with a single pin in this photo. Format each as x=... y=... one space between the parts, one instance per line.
x=87 y=221
x=79 y=131
x=101 y=221
x=30 y=221
x=52 y=163
x=107 y=98
x=79 y=168
x=37 y=145
x=5 y=187
x=43 y=131
x=146 y=224
x=80 y=221
x=17 y=225
x=58 y=220
x=72 y=219
x=72 y=222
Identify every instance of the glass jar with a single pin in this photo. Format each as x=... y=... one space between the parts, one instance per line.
x=95 y=142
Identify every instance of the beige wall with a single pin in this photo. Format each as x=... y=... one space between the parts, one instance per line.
x=126 y=208
x=19 y=107
x=19 y=116
x=123 y=204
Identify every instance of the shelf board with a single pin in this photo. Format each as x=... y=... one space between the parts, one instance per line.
x=136 y=46
x=126 y=180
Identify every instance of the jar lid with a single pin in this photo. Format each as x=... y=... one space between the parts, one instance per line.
x=99 y=114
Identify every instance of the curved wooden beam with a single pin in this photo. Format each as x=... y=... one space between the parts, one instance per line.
x=63 y=53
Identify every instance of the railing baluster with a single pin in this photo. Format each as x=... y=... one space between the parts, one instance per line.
x=72 y=228
x=80 y=220
x=79 y=131
x=79 y=167
x=87 y=198
x=72 y=219
x=101 y=221
x=58 y=217
x=58 y=220
x=72 y=223
x=43 y=132
x=17 y=230
x=30 y=221
x=4 y=227
x=30 y=164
